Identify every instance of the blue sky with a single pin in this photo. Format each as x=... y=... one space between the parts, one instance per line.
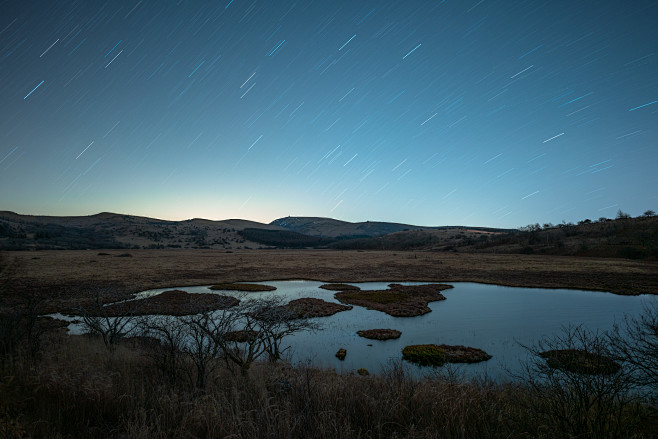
x=489 y=113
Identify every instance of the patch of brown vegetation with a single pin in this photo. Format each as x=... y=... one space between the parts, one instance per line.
x=310 y=307
x=339 y=287
x=172 y=302
x=437 y=355
x=341 y=354
x=252 y=288
x=399 y=300
x=379 y=334
x=424 y=354
x=59 y=274
x=463 y=354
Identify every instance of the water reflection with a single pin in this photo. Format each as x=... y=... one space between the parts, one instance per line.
x=494 y=318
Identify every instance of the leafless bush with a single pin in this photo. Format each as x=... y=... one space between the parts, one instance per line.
x=167 y=354
x=200 y=346
x=576 y=391
x=110 y=326
x=277 y=321
x=263 y=324
x=635 y=342
x=181 y=343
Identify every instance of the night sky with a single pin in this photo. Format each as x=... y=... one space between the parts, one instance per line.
x=488 y=113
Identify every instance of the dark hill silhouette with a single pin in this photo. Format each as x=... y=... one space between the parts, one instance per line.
x=624 y=237
x=332 y=228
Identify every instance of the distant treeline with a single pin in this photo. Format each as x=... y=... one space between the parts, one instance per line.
x=35 y=236
x=283 y=238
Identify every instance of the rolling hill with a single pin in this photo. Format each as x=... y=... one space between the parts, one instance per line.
x=332 y=228
x=635 y=238
x=111 y=230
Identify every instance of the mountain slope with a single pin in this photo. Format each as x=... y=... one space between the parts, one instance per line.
x=111 y=230
x=332 y=228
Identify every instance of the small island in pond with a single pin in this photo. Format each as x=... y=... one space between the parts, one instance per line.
x=437 y=355
x=308 y=307
x=580 y=361
x=243 y=287
x=172 y=302
x=398 y=300
x=339 y=287
x=379 y=334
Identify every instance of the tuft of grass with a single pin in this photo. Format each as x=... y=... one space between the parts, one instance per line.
x=424 y=354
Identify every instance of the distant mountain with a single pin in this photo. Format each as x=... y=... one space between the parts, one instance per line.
x=332 y=228
x=112 y=230
x=624 y=237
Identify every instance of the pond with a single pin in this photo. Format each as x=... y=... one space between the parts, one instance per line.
x=494 y=318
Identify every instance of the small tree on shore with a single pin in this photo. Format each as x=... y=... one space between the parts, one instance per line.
x=278 y=321
x=109 y=326
x=253 y=328
x=168 y=354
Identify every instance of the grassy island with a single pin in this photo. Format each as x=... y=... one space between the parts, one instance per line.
x=398 y=300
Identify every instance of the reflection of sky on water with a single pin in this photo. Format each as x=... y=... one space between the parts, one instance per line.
x=490 y=317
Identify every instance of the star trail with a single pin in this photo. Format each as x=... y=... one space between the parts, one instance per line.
x=490 y=113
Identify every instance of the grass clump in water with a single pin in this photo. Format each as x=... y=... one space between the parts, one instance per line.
x=424 y=354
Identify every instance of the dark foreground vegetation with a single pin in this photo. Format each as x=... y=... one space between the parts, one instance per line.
x=74 y=387
x=191 y=376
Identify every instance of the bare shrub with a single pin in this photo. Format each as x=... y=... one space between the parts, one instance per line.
x=200 y=346
x=267 y=322
x=578 y=395
x=635 y=342
x=167 y=354
x=98 y=321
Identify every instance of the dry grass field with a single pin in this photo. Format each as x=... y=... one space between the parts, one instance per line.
x=145 y=269
x=53 y=385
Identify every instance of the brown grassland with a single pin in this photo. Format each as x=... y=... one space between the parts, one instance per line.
x=59 y=270
x=62 y=386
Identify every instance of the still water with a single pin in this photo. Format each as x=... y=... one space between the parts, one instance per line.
x=494 y=318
